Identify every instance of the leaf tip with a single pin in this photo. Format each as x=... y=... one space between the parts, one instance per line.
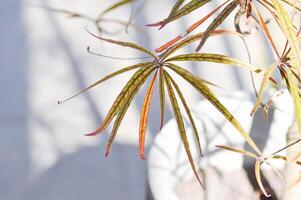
x=94 y=133
x=142 y=157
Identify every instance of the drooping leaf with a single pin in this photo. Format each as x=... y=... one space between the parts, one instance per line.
x=258 y=178
x=121 y=99
x=181 y=126
x=289 y=31
x=210 y=96
x=134 y=88
x=241 y=151
x=216 y=58
x=124 y=44
x=264 y=82
x=144 y=115
x=118 y=72
x=162 y=97
x=294 y=91
x=180 y=94
x=217 y=21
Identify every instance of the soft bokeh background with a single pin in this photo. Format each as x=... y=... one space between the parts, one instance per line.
x=43 y=59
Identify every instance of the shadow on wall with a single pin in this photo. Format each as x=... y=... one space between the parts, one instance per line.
x=14 y=152
x=87 y=174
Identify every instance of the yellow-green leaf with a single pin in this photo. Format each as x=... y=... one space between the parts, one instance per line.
x=175 y=8
x=121 y=99
x=264 y=82
x=289 y=31
x=294 y=91
x=258 y=178
x=121 y=71
x=162 y=97
x=215 y=58
x=134 y=88
x=188 y=8
x=181 y=127
x=195 y=130
x=241 y=151
x=116 y=5
x=210 y=96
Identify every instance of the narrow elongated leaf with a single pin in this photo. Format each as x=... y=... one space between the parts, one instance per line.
x=162 y=97
x=210 y=96
x=121 y=71
x=144 y=115
x=175 y=8
x=116 y=5
x=121 y=99
x=289 y=31
x=294 y=90
x=124 y=44
x=195 y=130
x=188 y=8
x=264 y=82
x=217 y=21
x=241 y=151
x=190 y=29
x=258 y=178
x=215 y=58
x=134 y=88
x=181 y=126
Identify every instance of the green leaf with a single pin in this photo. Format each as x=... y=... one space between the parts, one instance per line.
x=134 y=88
x=264 y=82
x=144 y=115
x=210 y=96
x=215 y=58
x=122 y=97
x=195 y=130
x=181 y=126
x=217 y=21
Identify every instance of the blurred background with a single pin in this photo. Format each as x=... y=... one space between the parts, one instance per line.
x=43 y=58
